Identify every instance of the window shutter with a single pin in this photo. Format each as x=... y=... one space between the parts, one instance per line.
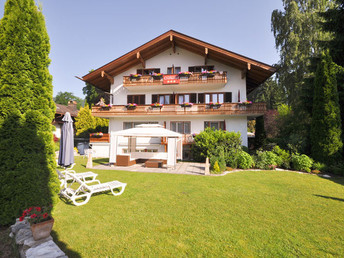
x=228 y=97
x=143 y=100
x=129 y=99
x=193 y=97
x=154 y=98
x=200 y=97
x=172 y=99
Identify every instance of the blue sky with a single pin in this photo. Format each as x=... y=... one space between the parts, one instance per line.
x=86 y=34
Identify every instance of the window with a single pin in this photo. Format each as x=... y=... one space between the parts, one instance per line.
x=128 y=125
x=138 y=99
x=173 y=70
x=215 y=125
x=225 y=97
x=214 y=97
x=148 y=71
x=163 y=99
x=181 y=127
x=183 y=98
x=190 y=97
x=200 y=68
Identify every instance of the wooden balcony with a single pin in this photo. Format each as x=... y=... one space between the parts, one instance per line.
x=195 y=80
x=235 y=109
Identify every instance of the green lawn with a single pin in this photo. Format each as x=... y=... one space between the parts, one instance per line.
x=241 y=214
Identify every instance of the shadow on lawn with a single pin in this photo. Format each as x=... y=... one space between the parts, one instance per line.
x=63 y=246
x=329 y=197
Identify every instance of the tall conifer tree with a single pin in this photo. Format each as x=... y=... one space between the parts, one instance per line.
x=27 y=166
x=326 y=124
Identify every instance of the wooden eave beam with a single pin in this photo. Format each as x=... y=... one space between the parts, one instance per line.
x=108 y=76
x=139 y=56
x=173 y=44
x=245 y=71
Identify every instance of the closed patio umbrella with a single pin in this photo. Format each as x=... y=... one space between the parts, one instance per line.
x=66 y=154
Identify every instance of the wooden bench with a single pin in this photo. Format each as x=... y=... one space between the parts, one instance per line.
x=153 y=164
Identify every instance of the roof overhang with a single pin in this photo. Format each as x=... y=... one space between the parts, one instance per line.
x=255 y=72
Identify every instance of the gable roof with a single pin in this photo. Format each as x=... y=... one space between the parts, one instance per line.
x=256 y=72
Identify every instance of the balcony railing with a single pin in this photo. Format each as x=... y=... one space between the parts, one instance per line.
x=254 y=109
x=195 y=78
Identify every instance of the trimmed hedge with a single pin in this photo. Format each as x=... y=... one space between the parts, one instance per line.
x=27 y=158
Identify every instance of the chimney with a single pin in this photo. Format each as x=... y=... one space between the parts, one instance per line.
x=72 y=105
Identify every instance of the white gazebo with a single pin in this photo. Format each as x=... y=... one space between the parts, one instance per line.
x=174 y=143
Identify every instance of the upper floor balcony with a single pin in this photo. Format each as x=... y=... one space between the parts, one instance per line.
x=253 y=109
x=175 y=81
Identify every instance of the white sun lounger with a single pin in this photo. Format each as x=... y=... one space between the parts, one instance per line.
x=85 y=176
x=82 y=194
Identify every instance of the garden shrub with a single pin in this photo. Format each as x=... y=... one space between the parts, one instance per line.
x=209 y=141
x=216 y=169
x=337 y=168
x=319 y=166
x=283 y=157
x=301 y=162
x=266 y=160
x=219 y=159
x=244 y=160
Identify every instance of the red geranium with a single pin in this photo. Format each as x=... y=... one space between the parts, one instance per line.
x=37 y=214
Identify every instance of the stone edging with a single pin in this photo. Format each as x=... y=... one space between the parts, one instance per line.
x=28 y=247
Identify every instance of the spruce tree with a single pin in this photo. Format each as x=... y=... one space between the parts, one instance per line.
x=326 y=124
x=27 y=162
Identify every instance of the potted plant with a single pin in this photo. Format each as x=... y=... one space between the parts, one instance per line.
x=135 y=76
x=209 y=73
x=184 y=75
x=214 y=105
x=41 y=221
x=186 y=104
x=157 y=76
x=106 y=106
x=157 y=105
x=131 y=106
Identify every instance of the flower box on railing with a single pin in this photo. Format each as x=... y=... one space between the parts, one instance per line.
x=97 y=135
x=184 y=75
x=157 y=76
x=157 y=105
x=131 y=106
x=245 y=103
x=135 y=76
x=106 y=106
x=186 y=104
x=209 y=73
x=214 y=105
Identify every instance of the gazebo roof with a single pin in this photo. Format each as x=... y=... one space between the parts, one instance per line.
x=148 y=130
